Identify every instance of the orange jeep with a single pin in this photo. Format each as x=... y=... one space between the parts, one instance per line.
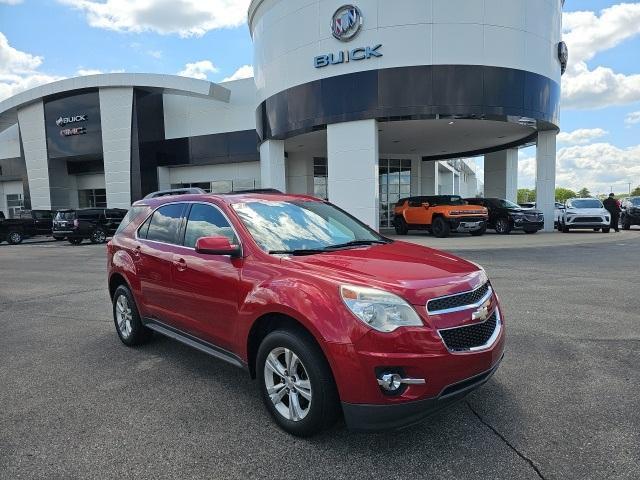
x=439 y=214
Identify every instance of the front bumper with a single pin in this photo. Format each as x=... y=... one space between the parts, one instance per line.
x=469 y=224
x=527 y=225
x=367 y=418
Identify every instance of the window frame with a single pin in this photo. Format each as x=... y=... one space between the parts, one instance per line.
x=183 y=224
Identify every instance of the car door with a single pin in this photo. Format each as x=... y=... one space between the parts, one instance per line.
x=156 y=245
x=207 y=286
x=415 y=213
x=43 y=220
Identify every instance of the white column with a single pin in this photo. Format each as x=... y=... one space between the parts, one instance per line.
x=272 y=165
x=299 y=172
x=34 y=144
x=164 y=182
x=353 y=173
x=429 y=178
x=501 y=174
x=546 y=176
x=116 y=106
x=446 y=180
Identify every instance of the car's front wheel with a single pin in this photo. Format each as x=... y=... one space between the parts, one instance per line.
x=98 y=236
x=127 y=319
x=296 y=383
x=440 y=228
x=401 y=226
x=503 y=226
x=478 y=233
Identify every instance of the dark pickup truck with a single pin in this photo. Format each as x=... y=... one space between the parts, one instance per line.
x=30 y=223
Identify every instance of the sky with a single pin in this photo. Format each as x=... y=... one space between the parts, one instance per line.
x=598 y=147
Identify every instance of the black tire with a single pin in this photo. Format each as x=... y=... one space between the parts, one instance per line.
x=503 y=226
x=440 y=228
x=564 y=228
x=137 y=333
x=401 y=226
x=98 y=236
x=606 y=230
x=75 y=240
x=531 y=232
x=15 y=237
x=626 y=224
x=596 y=229
x=478 y=233
x=324 y=407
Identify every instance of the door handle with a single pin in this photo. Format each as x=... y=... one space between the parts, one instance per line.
x=180 y=264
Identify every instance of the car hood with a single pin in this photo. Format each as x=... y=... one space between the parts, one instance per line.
x=528 y=211
x=411 y=271
x=587 y=211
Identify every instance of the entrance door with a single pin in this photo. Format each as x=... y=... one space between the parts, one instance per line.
x=395 y=183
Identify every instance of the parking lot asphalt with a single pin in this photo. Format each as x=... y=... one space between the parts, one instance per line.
x=76 y=403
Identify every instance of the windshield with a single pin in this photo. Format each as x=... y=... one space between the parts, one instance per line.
x=635 y=201
x=507 y=204
x=445 y=200
x=585 y=203
x=66 y=215
x=283 y=226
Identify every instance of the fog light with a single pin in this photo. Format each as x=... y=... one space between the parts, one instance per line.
x=392 y=382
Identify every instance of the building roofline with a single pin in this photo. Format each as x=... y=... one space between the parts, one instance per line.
x=152 y=81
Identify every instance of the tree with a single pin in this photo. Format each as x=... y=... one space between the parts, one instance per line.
x=635 y=192
x=584 y=193
x=563 y=194
x=526 y=195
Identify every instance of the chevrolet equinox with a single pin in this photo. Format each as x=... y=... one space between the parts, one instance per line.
x=327 y=315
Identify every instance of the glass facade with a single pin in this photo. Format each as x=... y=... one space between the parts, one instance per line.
x=92 y=198
x=395 y=183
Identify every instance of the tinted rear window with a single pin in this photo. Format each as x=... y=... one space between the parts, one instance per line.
x=165 y=224
x=65 y=216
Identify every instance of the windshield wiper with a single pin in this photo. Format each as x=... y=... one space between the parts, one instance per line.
x=299 y=252
x=356 y=243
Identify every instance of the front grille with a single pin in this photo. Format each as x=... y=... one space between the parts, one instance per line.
x=587 y=219
x=470 y=336
x=533 y=218
x=458 y=301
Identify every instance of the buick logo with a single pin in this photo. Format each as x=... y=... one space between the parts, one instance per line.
x=74 y=119
x=346 y=23
x=563 y=56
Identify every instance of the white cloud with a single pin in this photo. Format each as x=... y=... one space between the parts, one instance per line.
x=245 y=71
x=632 y=118
x=198 y=70
x=597 y=166
x=183 y=17
x=588 y=34
x=582 y=136
x=157 y=54
x=95 y=71
x=18 y=70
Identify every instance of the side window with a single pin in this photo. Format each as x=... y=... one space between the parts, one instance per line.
x=207 y=221
x=131 y=215
x=165 y=223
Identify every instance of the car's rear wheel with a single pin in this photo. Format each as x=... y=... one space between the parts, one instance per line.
x=15 y=237
x=606 y=230
x=440 y=228
x=503 y=227
x=481 y=231
x=98 y=236
x=75 y=240
x=127 y=319
x=296 y=383
x=401 y=226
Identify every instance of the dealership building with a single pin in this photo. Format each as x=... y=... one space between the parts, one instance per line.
x=362 y=104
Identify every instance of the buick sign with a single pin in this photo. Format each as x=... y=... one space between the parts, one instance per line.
x=355 y=55
x=74 y=119
x=346 y=23
x=563 y=56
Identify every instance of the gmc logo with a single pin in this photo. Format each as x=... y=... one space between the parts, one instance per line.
x=68 y=132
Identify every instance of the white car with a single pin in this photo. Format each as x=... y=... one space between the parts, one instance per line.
x=584 y=213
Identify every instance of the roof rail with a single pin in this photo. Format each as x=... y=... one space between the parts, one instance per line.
x=175 y=191
x=273 y=191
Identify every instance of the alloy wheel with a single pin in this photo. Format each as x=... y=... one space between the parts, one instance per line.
x=287 y=384
x=15 y=238
x=99 y=236
x=124 y=316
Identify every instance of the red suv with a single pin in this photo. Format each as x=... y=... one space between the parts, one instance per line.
x=328 y=316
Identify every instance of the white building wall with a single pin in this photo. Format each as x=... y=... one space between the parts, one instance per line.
x=116 y=106
x=352 y=167
x=546 y=177
x=501 y=174
x=299 y=173
x=10 y=142
x=209 y=173
x=192 y=116
x=288 y=34
x=34 y=143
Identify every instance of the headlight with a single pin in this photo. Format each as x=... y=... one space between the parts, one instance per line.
x=380 y=310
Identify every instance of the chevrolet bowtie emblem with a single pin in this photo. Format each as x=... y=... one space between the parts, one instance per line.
x=481 y=314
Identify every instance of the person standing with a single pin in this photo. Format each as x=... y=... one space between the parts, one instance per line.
x=613 y=207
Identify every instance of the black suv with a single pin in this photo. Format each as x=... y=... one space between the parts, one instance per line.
x=505 y=216
x=630 y=213
x=28 y=224
x=95 y=224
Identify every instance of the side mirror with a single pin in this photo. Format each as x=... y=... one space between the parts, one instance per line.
x=425 y=204
x=217 y=246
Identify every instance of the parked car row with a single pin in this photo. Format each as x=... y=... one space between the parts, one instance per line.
x=443 y=214
x=74 y=225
